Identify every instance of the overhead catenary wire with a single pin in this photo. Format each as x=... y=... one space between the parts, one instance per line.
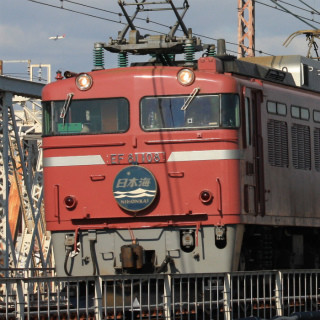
x=75 y=11
x=122 y=23
x=98 y=17
x=300 y=8
x=314 y=11
x=284 y=10
x=295 y=15
x=276 y=2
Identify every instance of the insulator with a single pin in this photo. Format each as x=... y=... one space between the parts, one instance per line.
x=211 y=51
x=122 y=59
x=189 y=51
x=171 y=57
x=221 y=47
x=98 y=57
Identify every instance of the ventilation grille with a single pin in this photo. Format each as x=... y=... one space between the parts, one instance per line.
x=317 y=148
x=275 y=75
x=278 y=143
x=301 y=148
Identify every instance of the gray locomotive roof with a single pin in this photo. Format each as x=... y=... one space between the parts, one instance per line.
x=290 y=70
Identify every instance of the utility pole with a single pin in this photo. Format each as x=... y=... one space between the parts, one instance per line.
x=246 y=27
x=40 y=66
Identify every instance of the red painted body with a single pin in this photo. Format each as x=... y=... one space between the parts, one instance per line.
x=179 y=182
x=255 y=170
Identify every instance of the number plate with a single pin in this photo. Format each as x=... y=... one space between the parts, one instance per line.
x=136 y=158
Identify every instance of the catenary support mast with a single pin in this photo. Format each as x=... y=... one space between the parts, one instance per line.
x=246 y=27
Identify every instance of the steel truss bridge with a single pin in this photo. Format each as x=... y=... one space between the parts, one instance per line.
x=24 y=242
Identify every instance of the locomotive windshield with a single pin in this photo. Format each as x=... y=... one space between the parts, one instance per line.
x=204 y=112
x=86 y=116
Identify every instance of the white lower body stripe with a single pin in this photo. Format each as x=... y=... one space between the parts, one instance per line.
x=73 y=161
x=204 y=155
x=174 y=157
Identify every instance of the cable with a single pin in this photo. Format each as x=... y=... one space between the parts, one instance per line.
x=294 y=6
x=285 y=11
x=160 y=24
x=74 y=11
x=116 y=13
x=295 y=15
x=68 y=273
x=313 y=9
x=110 y=20
x=119 y=22
x=94 y=258
x=95 y=16
x=91 y=7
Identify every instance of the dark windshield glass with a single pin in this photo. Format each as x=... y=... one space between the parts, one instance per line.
x=86 y=117
x=204 y=112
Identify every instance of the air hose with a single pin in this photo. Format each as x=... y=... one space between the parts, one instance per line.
x=68 y=273
x=94 y=258
x=165 y=262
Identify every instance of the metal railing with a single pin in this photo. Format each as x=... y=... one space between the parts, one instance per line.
x=263 y=294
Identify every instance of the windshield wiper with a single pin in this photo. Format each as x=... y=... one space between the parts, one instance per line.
x=65 y=107
x=186 y=104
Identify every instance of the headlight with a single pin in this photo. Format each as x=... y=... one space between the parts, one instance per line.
x=84 y=81
x=186 y=77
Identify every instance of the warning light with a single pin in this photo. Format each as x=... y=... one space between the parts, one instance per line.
x=70 y=202
x=206 y=196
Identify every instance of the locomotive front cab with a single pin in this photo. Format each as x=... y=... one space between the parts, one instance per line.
x=142 y=172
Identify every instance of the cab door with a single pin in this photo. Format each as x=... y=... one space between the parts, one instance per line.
x=252 y=140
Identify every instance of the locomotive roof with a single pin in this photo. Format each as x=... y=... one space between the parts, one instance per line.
x=254 y=69
x=292 y=70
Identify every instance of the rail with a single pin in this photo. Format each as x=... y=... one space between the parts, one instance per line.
x=29 y=294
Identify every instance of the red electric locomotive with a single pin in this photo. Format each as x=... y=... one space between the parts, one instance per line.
x=190 y=166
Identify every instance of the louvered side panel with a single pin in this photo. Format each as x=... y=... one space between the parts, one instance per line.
x=301 y=147
x=316 y=135
x=278 y=143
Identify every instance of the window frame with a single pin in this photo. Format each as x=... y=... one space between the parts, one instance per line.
x=299 y=108
x=185 y=128
x=277 y=104
x=50 y=117
x=314 y=119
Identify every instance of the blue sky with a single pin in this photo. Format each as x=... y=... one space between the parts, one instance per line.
x=25 y=28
